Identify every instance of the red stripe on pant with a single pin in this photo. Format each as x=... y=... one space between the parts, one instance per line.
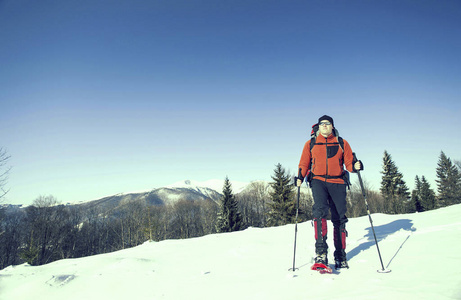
x=324 y=228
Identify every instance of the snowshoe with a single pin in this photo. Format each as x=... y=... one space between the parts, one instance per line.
x=321 y=264
x=321 y=268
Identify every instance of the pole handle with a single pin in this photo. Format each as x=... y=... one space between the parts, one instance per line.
x=354 y=156
x=360 y=177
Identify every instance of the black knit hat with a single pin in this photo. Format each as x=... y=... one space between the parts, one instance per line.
x=327 y=118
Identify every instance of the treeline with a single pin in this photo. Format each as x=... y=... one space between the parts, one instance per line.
x=397 y=198
x=47 y=230
x=394 y=197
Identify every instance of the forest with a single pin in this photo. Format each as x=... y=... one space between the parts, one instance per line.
x=47 y=230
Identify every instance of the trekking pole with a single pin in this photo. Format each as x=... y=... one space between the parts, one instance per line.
x=296 y=223
x=369 y=217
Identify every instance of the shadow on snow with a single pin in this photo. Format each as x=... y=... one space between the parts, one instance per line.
x=382 y=232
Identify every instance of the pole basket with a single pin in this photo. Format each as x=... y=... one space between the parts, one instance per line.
x=384 y=271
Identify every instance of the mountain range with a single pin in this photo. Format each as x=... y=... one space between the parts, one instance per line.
x=182 y=190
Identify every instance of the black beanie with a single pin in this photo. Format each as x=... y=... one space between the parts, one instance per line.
x=327 y=118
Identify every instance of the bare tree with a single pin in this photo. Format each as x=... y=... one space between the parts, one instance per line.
x=209 y=213
x=306 y=201
x=157 y=222
x=254 y=204
x=48 y=227
x=4 y=171
x=186 y=219
x=356 y=204
x=11 y=226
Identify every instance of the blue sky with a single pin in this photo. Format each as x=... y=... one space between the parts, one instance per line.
x=102 y=97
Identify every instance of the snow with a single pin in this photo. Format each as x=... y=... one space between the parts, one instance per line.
x=214 y=184
x=199 y=186
x=421 y=250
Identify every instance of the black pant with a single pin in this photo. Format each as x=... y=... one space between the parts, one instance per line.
x=329 y=196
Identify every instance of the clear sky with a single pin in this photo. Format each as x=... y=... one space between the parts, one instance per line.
x=101 y=97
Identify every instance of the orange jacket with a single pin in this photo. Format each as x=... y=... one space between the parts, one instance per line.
x=327 y=159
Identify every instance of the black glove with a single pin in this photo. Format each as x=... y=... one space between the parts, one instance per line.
x=354 y=160
x=296 y=180
x=300 y=177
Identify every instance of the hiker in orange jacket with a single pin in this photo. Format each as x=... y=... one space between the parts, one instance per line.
x=323 y=164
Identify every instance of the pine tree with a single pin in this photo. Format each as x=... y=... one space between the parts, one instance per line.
x=423 y=197
x=427 y=195
x=393 y=187
x=416 y=196
x=448 y=182
x=229 y=217
x=283 y=206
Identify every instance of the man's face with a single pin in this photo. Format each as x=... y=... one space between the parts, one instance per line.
x=325 y=127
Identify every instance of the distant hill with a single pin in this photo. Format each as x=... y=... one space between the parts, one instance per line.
x=183 y=190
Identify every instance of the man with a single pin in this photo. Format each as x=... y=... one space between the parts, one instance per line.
x=325 y=161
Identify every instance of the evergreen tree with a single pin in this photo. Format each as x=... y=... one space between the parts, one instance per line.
x=393 y=188
x=416 y=196
x=283 y=206
x=427 y=195
x=229 y=218
x=448 y=181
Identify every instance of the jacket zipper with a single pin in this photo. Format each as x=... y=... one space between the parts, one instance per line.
x=326 y=155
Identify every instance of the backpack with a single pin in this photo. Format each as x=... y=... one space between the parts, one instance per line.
x=314 y=134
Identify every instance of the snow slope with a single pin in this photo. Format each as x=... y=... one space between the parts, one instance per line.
x=422 y=250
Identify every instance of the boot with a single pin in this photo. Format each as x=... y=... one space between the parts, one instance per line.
x=340 y=264
x=321 y=259
x=339 y=238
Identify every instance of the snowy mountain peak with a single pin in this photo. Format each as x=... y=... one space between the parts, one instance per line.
x=214 y=184
x=182 y=190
